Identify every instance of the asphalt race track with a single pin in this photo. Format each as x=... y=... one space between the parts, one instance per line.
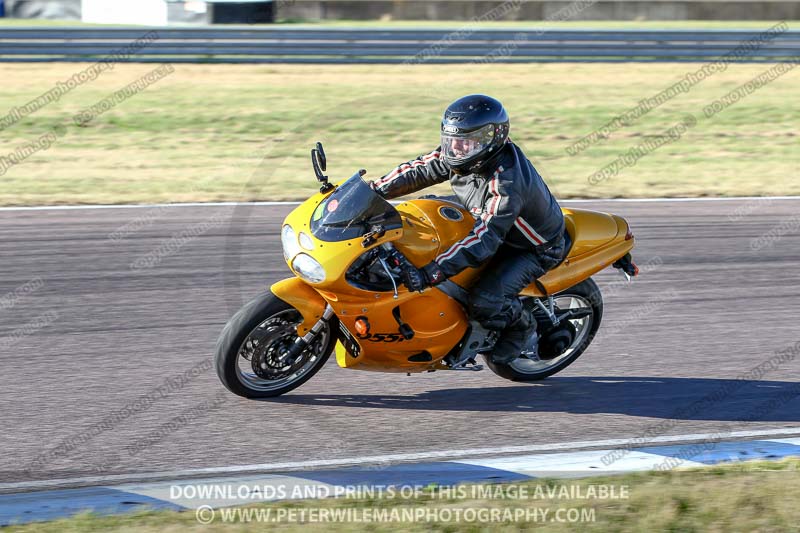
x=121 y=302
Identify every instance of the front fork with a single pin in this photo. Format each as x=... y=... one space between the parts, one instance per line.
x=302 y=343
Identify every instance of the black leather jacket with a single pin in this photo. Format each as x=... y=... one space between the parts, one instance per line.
x=511 y=203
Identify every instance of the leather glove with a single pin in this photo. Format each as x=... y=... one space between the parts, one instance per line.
x=433 y=273
x=417 y=279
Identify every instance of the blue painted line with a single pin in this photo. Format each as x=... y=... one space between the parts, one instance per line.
x=48 y=505
x=441 y=473
x=52 y=504
x=711 y=453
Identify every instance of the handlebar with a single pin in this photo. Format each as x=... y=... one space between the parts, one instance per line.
x=397 y=258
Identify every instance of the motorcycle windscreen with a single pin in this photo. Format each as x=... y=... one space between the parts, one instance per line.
x=352 y=210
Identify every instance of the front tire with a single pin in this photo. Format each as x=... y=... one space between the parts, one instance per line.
x=250 y=348
x=585 y=294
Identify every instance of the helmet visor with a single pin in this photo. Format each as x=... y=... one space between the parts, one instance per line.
x=462 y=147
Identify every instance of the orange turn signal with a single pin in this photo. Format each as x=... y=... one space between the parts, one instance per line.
x=362 y=325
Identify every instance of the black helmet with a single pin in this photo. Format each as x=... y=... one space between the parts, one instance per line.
x=474 y=129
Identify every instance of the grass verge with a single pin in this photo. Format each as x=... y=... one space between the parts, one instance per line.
x=243 y=132
x=741 y=497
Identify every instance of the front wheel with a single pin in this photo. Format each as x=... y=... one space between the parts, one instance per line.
x=251 y=351
x=559 y=347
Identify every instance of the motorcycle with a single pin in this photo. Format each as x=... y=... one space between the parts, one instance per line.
x=347 y=247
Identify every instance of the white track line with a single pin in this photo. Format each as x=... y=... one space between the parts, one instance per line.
x=138 y=206
x=223 y=204
x=403 y=457
x=654 y=200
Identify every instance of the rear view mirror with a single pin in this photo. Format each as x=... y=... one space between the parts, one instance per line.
x=321 y=159
x=320 y=164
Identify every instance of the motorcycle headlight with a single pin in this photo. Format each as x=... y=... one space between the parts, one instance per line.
x=289 y=242
x=305 y=241
x=308 y=268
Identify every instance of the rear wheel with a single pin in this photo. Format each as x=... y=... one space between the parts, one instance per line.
x=251 y=353
x=559 y=346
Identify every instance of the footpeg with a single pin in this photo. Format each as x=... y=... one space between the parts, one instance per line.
x=467 y=364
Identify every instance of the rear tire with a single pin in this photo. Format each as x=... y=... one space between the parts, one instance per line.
x=260 y=329
x=589 y=292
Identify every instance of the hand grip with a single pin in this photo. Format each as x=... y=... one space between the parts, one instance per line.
x=399 y=259
x=410 y=276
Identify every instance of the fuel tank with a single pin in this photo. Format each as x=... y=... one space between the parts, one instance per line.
x=429 y=228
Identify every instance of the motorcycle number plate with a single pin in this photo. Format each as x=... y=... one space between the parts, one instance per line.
x=349 y=341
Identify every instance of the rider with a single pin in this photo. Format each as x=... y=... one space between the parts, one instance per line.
x=519 y=227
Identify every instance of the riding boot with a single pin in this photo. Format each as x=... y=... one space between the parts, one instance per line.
x=520 y=336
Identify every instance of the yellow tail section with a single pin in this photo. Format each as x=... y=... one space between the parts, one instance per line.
x=598 y=240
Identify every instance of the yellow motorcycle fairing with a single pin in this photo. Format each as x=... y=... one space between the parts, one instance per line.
x=599 y=239
x=429 y=227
